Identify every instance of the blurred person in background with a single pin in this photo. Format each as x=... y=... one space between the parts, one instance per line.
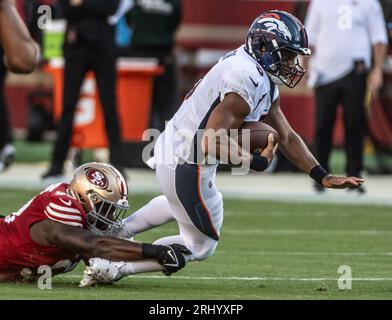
x=89 y=45
x=32 y=11
x=7 y=150
x=20 y=55
x=123 y=32
x=153 y=27
x=344 y=35
x=380 y=110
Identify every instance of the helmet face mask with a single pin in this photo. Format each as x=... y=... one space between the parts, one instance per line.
x=103 y=193
x=274 y=36
x=106 y=217
x=287 y=70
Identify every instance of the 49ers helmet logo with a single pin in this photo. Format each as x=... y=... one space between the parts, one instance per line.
x=97 y=178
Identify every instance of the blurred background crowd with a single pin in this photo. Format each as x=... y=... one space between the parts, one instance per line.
x=110 y=69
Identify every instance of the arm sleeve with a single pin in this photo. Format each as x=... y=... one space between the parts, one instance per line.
x=102 y=7
x=376 y=23
x=239 y=82
x=312 y=22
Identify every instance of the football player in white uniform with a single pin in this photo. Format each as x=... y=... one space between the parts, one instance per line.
x=242 y=86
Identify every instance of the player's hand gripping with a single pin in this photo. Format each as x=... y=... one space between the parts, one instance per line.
x=173 y=258
x=270 y=150
x=336 y=182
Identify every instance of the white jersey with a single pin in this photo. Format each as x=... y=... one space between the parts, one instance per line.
x=235 y=72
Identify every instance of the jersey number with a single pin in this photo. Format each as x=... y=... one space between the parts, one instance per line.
x=11 y=218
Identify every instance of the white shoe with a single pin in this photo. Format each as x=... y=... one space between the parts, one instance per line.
x=101 y=271
x=7 y=157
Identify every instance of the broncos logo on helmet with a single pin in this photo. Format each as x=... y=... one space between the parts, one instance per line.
x=275 y=39
x=276 y=26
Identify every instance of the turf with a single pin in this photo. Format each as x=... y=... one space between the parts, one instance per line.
x=268 y=250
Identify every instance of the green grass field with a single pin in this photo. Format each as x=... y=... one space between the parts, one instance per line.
x=268 y=250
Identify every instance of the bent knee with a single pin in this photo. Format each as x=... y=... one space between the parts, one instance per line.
x=203 y=251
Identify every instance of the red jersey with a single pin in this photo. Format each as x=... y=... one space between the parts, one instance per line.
x=20 y=256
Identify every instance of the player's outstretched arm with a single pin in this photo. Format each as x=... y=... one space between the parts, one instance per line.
x=299 y=154
x=90 y=245
x=21 y=51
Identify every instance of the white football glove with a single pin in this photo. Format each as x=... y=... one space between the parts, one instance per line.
x=102 y=271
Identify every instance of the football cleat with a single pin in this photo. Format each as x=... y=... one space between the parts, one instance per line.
x=102 y=271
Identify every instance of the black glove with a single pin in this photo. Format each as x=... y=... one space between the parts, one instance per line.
x=173 y=258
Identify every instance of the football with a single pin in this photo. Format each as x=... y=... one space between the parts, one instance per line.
x=257 y=135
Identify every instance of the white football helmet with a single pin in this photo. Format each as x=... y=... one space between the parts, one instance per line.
x=103 y=193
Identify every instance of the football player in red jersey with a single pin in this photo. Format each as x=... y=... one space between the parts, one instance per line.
x=69 y=222
x=21 y=51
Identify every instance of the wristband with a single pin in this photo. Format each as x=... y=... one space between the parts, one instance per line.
x=318 y=173
x=152 y=251
x=259 y=163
